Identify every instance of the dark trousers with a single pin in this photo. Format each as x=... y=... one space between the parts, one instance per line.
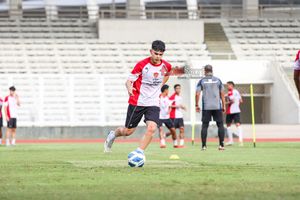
x=206 y=117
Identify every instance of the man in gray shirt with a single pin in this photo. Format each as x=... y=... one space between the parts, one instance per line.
x=213 y=104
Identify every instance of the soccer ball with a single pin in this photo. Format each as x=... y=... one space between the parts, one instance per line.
x=136 y=159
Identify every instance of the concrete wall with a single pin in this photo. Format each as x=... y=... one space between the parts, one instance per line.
x=144 y=30
x=284 y=105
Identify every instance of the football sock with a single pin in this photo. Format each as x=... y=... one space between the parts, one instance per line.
x=175 y=143
x=112 y=136
x=181 y=142
x=230 y=137
x=139 y=149
x=163 y=142
x=240 y=132
x=13 y=141
x=7 y=142
x=0 y=141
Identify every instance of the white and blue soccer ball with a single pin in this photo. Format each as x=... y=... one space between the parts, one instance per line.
x=136 y=159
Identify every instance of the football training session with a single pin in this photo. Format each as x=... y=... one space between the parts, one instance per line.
x=149 y=99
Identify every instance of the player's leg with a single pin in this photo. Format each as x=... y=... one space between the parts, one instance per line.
x=7 y=136
x=1 y=124
x=13 y=131
x=206 y=117
x=218 y=117
x=239 y=128
x=181 y=132
x=152 y=119
x=8 y=132
x=151 y=128
x=0 y=135
x=134 y=116
x=170 y=125
x=162 y=136
x=297 y=80
x=229 y=130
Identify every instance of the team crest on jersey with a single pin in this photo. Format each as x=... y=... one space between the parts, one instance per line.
x=155 y=74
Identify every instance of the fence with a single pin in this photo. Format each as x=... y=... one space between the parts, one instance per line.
x=162 y=11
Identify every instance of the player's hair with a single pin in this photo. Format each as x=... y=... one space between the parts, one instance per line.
x=231 y=83
x=176 y=85
x=164 y=87
x=208 y=68
x=12 y=88
x=158 y=45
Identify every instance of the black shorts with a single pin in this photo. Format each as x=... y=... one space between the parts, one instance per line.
x=233 y=117
x=208 y=114
x=135 y=114
x=12 y=123
x=178 y=122
x=168 y=123
x=1 y=122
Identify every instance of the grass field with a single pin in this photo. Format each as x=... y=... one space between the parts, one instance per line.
x=82 y=171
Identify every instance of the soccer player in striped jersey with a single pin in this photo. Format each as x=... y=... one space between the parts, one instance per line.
x=164 y=118
x=144 y=87
x=176 y=113
x=233 y=101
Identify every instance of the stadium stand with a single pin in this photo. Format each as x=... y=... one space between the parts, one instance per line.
x=264 y=39
x=66 y=76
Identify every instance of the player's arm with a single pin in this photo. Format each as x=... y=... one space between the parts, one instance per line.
x=133 y=76
x=222 y=94
x=197 y=98
x=17 y=99
x=5 y=113
x=197 y=95
x=165 y=80
x=129 y=87
x=241 y=98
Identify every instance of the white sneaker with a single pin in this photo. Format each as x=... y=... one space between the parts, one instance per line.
x=229 y=144
x=109 y=141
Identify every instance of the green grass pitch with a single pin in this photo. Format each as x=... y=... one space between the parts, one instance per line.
x=83 y=171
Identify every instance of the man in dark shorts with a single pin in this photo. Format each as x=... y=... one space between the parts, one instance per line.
x=176 y=113
x=143 y=86
x=213 y=104
x=164 y=118
x=11 y=104
x=233 y=101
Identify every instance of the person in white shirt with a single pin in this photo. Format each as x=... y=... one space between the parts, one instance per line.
x=176 y=113
x=164 y=118
x=11 y=104
x=233 y=101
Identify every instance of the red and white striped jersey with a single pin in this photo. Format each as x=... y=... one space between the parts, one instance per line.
x=176 y=112
x=164 y=105
x=147 y=79
x=1 y=103
x=11 y=103
x=234 y=97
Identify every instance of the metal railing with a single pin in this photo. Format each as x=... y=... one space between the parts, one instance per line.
x=203 y=11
